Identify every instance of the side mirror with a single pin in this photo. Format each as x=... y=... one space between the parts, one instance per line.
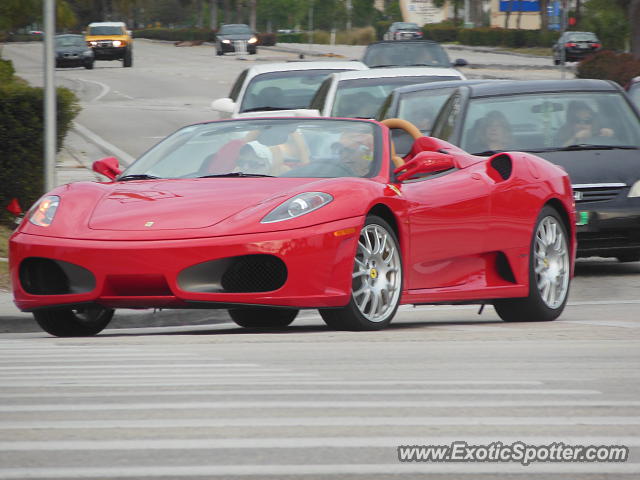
x=109 y=167
x=460 y=62
x=423 y=164
x=129 y=32
x=223 y=105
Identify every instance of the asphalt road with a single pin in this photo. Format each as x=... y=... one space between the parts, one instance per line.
x=216 y=401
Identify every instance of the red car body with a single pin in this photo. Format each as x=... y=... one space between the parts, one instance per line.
x=141 y=241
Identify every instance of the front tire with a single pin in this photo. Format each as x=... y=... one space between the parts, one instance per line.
x=549 y=274
x=629 y=257
x=263 y=317
x=128 y=59
x=376 y=281
x=89 y=65
x=81 y=322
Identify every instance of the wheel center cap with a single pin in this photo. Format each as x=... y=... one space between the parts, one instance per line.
x=373 y=273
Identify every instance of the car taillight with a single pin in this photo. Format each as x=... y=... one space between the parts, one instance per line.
x=570 y=44
x=596 y=45
x=419 y=34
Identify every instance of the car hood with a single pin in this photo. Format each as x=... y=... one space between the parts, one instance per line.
x=191 y=208
x=597 y=166
x=72 y=50
x=178 y=204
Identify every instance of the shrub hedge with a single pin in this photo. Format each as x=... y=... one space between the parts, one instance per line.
x=608 y=65
x=22 y=138
x=176 y=34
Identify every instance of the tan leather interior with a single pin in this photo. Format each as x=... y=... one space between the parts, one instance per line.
x=408 y=127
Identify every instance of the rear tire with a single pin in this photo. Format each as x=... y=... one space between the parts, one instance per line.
x=549 y=274
x=263 y=317
x=81 y=322
x=376 y=281
x=219 y=52
x=88 y=66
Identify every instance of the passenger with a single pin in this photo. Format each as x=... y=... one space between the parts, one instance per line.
x=580 y=126
x=492 y=133
x=254 y=158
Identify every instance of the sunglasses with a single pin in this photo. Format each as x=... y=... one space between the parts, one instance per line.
x=584 y=121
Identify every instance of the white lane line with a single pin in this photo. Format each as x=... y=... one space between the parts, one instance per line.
x=309 y=404
x=104 y=89
x=305 y=422
x=48 y=368
x=420 y=468
x=606 y=323
x=275 y=442
x=289 y=391
x=7 y=380
x=338 y=382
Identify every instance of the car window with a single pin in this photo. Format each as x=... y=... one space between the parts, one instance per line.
x=237 y=86
x=364 y=97
x=634 y=94
x=448 y=116
x=553 y=120
x=234 y=30
x=70 y=42
x=283 y=90
x=298 y=148
x=581 y=37
x=421 y=108
x=406 y=54
x=105 y=30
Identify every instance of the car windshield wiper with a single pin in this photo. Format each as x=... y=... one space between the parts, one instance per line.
x=267 y=109
x=141 y=176
x=583 y=146
x=487 y=153
x=235 y=174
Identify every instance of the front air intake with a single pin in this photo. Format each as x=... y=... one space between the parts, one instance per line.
x=44 y=276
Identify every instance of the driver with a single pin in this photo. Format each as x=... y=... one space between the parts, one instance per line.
x=356 y=152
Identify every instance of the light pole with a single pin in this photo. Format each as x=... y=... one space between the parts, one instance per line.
x=49 y=95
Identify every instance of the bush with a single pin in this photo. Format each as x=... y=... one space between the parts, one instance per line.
x=608 y=65
x=292 y=37
x=440 y=33
x=267 y=39
x=6 y=71
x=22 y=140
x=356 y=36
x=381 y=28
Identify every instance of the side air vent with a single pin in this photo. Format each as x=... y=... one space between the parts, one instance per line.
x=503 y=165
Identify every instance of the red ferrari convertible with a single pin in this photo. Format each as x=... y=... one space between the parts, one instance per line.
x=265 y=217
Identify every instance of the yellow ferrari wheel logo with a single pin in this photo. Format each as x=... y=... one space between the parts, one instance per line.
x=373 y=273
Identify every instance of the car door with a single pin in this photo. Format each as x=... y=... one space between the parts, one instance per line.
x=448 y=220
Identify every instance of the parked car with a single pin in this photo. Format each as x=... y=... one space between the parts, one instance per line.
x=588 y=127
x=278 y=88
x=574 y=46
x=408 y=53
x=72 y=51
x=633 y=90
x=110 y=41
x=360 y=94
x=236 y=37
x=265 y=217
x=403 y=31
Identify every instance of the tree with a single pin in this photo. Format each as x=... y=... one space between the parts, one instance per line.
x=544 y=15
x=634 y=20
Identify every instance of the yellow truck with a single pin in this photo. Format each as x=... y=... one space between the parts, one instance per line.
x=110 y=41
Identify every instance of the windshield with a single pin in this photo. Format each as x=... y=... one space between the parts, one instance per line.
x=406 y=26
x=75 y=41
x=283 y=90
x=547 y=121
x=299 y=148
x=105 y=31
x=581 y=37
x=406 y=54
x=234 y=30
x=362 y=98
x=421 y=108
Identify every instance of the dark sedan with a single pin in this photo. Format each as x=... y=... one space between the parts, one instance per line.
x=408 y=53
x=72 y=51
x=588 y=127
x=236 y=38
x=574 y=46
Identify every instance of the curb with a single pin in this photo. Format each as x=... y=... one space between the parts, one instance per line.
x=101 y=143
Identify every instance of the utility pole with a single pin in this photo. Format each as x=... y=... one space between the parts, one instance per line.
x=49 y=96
x=349 y=9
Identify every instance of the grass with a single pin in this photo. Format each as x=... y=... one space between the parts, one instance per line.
x=5 y=233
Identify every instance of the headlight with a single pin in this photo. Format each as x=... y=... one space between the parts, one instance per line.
x=253 y=40
x=93 y=43
x=43 y=212
x=226 y=41
x=635 y=190
x=117 y=43
x=298 y=206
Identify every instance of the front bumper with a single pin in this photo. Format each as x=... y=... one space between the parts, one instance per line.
x=146 y=274
x=73 y=61
x=109 y=53
x=608 y=231
x=238 y=46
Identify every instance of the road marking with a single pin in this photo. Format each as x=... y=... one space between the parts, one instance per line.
x=289 y=392
x=45 y=370
x=103 y=86
x=367 y=382
x=311 y=404
x=324 y=421
x=296 y=470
